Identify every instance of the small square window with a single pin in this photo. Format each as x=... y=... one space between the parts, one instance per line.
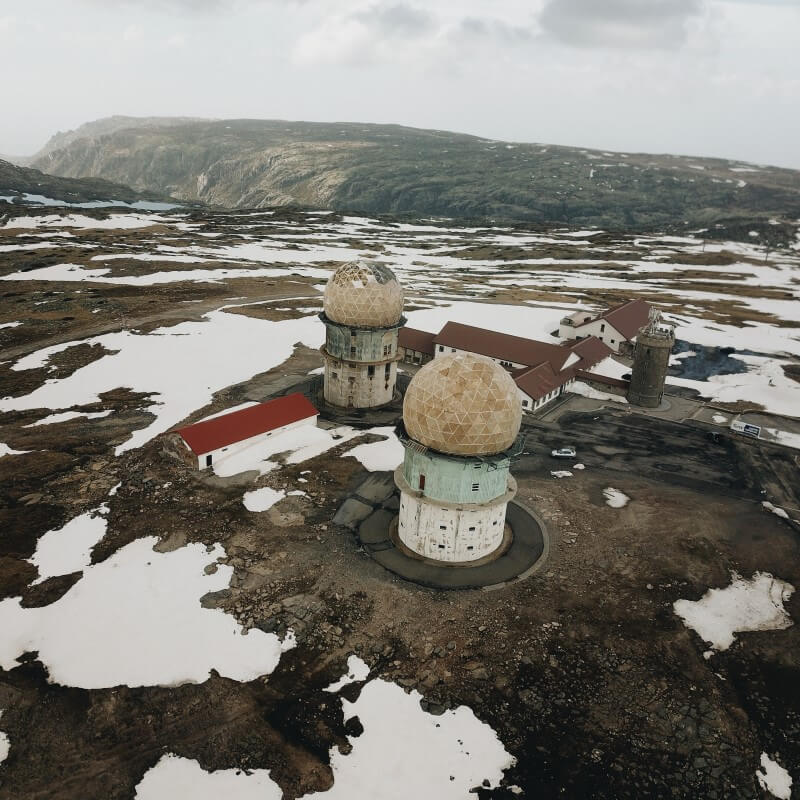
x=443 y=527
x=475 y=487
x=441 y=547
x=441 y=348
x=335 y=375
x=470 y=547
x=472 y=528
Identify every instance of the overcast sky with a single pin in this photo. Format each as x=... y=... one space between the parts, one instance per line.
x=701 y=77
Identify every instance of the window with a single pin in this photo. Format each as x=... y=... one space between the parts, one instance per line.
x=387 y=371
x=441 y=547
x=441 y=348
x=452 y=349
x=442 y=528
x=352 y=334
x=475 y=487
x=476 y=466
x=611 y=340
x=602 y=327
x=335 y=375
x=352 y=352
x=525 y=403
x=370 y=371
x=208 y=461
x=472 y=528
x=470 y=547
x=422 y=483
x=495 y=522
x=351 y=380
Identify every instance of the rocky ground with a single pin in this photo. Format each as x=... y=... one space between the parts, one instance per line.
x=584 y=671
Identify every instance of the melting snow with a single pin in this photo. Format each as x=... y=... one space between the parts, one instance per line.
x=442 y=757
x=5 y=745
x=68 y=549
x=615 y=498
x=262 y=499
x=779 y=512
x=379 y=456
x=52 y=419
x=136 y=619
x=5 y=450
x=174 y=777
x=357 y=670
x=772 y=777
x=754 y=605
x=561 y=473
x=213 y=354
x=10 y=325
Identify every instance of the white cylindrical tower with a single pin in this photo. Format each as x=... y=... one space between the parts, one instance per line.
x=363 y=313
x=461 y=416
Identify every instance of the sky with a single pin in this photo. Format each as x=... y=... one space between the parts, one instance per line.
x=697 y=77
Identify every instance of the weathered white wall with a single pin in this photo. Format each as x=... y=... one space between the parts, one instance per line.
x=603 y=330
x=449 y=350
x=452 y=533
x=531 y=404
x=353 y=387
x=220 y=455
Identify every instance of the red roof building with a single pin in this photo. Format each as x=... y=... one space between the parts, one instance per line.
x=247 y=423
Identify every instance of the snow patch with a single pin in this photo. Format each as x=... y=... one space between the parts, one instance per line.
x=68 y=549
x=772 y=778
x=754 y=605
x=779 y=512
x=561 y=473
x=357 y=670
x=5 y=450
x=450 y=753
x=615 y=498
x=379 y=456
x=262 y=499
x=174 y=777
x=136 y=619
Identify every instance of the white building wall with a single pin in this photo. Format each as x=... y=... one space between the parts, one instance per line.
x=448 y=533
x=532 y=404
x=353 y=386
x=449 y=350
x=603 y=330
x=220 y=455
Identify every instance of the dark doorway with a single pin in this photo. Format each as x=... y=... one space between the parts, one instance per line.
x=208 y=461
x=422 y=483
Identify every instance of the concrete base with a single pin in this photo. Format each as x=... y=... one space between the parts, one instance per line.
x=524 y=550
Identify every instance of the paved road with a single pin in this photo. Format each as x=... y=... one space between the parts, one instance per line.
x=678 y=453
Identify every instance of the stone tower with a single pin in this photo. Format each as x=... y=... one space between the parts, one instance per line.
x=650 y=362
x=363 y=312
x=461 y=416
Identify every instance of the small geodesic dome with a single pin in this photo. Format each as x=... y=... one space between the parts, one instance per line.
x=363 y=293
x=463 y=404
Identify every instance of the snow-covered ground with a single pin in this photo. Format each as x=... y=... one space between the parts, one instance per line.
x=173 y=778
x=68 y=549
x=774 y=778
x=136 y=619
x=745 y=605
x=615 y=498
x=262 y=499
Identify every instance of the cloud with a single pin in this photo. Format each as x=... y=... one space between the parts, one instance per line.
x=371 y=34
x=620 y=23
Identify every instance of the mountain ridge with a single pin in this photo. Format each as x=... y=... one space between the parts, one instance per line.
x=394 y=169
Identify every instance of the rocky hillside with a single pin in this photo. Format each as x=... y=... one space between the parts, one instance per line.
x=392 y=169
x=17 y=182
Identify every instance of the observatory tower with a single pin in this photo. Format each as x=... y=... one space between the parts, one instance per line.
x=461 y=416
x=650 y=362
x=363 y=313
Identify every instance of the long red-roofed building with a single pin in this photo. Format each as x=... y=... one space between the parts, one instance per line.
x=211 y=440
x=541 y=370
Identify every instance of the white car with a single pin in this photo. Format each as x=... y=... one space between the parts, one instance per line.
x=563 y=452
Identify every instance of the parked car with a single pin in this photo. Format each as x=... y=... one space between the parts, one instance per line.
x=563 y=452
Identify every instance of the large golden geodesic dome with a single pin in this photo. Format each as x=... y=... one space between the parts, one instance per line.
x=364 y=293
x=463 y=404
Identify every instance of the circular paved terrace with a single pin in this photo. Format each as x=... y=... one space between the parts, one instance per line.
x=526 y=553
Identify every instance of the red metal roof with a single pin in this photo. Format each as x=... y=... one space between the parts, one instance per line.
x=502 y=345
x=203 y=437
x=628 y=318
x=413 y=339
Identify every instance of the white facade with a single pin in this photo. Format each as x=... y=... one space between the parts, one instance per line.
x=358 y=385
x=450 y=532
x=218 y=456
x=531 y=404
x=442 y=350
x=600 y=328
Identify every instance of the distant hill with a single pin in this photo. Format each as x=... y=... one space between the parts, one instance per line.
x=16 y=182
x=398 y=170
